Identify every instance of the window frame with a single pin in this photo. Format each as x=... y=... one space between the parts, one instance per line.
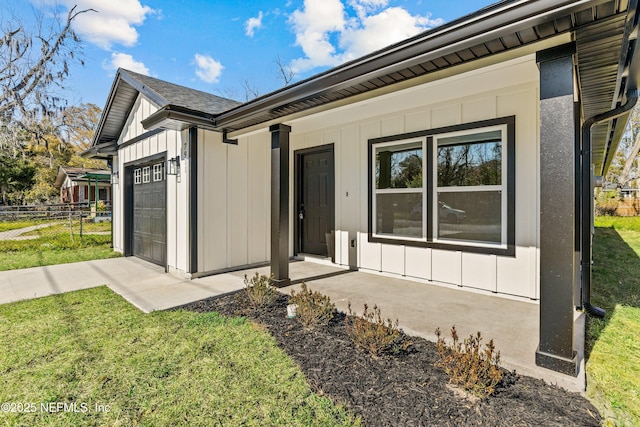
x=502 y=187
x=137 y=176
x=158 y=172
x=146 y=174
x=430 y=188
x=407 y=190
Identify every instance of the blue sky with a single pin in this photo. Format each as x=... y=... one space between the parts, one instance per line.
x=222 y=47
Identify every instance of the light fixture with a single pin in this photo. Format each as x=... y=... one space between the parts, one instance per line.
x=173 y=166
x=115 y=177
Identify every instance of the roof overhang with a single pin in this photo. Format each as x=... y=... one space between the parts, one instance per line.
x=178 y=118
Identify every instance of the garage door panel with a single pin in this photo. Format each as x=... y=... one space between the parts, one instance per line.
x=149 y=216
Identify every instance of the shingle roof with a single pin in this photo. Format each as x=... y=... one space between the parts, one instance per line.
x=182 y=96
x=125 y=90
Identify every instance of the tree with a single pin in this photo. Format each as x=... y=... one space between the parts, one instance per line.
x=624 y=166
x=284 y=71
x=33 y=63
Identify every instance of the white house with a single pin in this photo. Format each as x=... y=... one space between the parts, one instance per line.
x=464 y=155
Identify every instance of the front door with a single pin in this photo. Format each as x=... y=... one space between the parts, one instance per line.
x=315 y=200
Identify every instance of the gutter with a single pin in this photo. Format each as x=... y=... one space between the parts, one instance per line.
x=587 y=197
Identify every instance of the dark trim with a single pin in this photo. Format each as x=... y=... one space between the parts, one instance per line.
x=128 y=206
x=556 y=52
x=148 y=159
x=228 y=140
x=510 y=249
x=193 y=200
x=557 y=217
x=184 y=116
x=445 y=129
x=297 y=173
x=141 y=137
x=280 y=204
x=429 y=182
x=127 y=209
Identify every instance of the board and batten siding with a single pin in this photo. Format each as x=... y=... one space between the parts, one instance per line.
x=170 y=143
x=233 y=201
x=501 y=90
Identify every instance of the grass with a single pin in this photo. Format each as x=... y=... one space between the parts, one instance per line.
x=613 y=366
x=63 y=227
x=14 y=225
x=55 y=244
x=161 y=369
x=37 y=258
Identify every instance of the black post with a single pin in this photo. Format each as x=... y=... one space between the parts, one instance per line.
x=193 y=200
x=557 y=210
x=280 y=204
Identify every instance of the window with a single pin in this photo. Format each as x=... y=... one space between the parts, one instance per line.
x=470 y=192
x=146 y=174
x=158 y=172
x=449 y=188
x=399 y=192
x=137 y=176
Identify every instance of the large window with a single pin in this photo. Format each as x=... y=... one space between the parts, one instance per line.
x=446 y=188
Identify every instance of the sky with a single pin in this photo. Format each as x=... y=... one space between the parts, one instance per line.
x=224 y=47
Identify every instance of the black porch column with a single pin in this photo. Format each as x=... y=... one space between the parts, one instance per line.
x=280 y=204
x=557 y=210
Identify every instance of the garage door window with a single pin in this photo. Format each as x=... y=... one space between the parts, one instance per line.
x=146 y=174
x=137 y=176
x=158 y=172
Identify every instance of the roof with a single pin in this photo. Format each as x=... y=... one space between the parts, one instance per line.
x=128 y=85
x=603 y=30
x=79 y=174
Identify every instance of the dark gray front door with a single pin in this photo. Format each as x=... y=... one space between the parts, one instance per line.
x=316 y=200
x=149 y=213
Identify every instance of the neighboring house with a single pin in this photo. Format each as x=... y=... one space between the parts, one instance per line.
x=79 y=185
x=462 y=156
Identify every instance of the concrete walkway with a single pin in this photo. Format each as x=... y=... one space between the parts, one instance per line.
x=420 y=307
x=143 y=284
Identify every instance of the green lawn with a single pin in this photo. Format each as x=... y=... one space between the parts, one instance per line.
x=122 y=367
x=613 y=344
x=50 y=256
x=56 y=245
x=14 y=225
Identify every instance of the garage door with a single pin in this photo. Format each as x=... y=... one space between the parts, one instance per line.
x=149 y=213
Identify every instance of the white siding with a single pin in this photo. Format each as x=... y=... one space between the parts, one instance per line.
x=498 y=91
x=233 y=201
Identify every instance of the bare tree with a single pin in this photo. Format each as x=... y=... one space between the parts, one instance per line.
x=250 y=90
x=34 y=62
x=285 y=73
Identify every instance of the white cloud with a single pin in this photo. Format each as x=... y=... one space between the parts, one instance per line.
x=253 y=24
x=207 y=68
x=124 y=60
x=383 y=29
x=113 y=22
x=313 y=27
x=328 y=36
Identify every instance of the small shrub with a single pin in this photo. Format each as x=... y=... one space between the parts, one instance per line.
x=373 y=334
x=468 y=365
x=259 y=290
x=313 y=308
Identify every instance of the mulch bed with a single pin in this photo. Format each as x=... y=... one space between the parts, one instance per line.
x=403 y=389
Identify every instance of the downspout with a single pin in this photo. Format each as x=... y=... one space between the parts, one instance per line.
x=587 y=197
